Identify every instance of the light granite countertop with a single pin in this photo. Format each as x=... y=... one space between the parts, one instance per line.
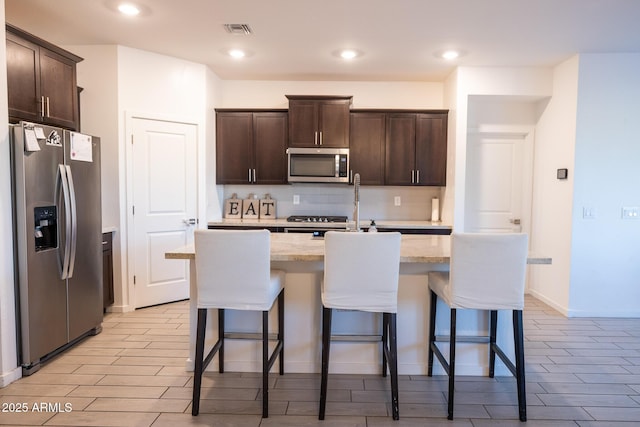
x=418 y=248
x=282 y=222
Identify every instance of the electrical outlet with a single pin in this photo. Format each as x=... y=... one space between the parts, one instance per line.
x=630 y=212
x=296 y=199
x=397 y=201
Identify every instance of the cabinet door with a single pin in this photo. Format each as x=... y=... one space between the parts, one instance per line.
x=400 y=149
x=58 y=87
x=431 y=149
x=23 y=80
x=303 y=123
x=333 y=118
x=270 y=144
x=234 y=153
x=107 y=270
x=366 y=147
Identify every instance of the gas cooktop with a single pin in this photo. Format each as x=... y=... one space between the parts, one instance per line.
x=317 y=218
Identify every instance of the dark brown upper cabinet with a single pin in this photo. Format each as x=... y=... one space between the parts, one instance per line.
x=416 y=149
x=251 y=147
x=319 y=121
x=366 y=147
x=41 y=81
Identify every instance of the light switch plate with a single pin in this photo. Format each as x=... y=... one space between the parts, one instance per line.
x=588 y=213
x=397 y=201
x=296 y=199
x=630 y=212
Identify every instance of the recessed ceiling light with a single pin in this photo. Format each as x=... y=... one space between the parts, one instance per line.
x=449 y=54
x=237 y=53
x=347 y=54
x=129 y=9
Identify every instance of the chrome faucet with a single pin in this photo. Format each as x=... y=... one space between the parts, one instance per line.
x=356 y=201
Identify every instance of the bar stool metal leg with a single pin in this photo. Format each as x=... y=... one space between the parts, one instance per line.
x=281 y=330
x=393 y=364
x=519 y=353
x=199 y=362
x=221 y=339
x=493 y=326
x=326 y=342
x=385 y=340
x=265 y=364
x=452 y=363
x=432 y=331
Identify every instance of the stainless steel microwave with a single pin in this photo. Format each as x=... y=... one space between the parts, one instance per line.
x=318 y=165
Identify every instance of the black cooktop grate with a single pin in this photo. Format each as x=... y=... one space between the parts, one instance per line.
x=317 y=218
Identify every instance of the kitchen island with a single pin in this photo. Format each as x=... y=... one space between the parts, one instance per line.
x=282 y=225
x=301 y=256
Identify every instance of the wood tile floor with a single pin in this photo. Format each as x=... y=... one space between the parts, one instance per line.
x=580 y=372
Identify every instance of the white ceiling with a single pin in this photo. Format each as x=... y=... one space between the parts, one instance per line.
x=295 y=39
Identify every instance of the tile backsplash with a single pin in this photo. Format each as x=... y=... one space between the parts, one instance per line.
x=335 y=199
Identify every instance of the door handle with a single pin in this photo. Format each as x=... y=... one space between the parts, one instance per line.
x=190 y=221
x=515 y=221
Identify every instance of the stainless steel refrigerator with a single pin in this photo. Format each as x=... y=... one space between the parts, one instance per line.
x=58 y=239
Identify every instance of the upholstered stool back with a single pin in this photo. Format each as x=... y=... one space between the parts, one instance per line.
x=361 y=271
x=233 y=269
x=487 y=272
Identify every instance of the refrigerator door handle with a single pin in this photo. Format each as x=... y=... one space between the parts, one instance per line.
x=62 y=191
x=74 y=222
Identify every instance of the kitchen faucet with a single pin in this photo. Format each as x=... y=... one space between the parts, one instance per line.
x=356 y=201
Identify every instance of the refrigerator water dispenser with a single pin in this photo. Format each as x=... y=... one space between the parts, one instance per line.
x=46 y=227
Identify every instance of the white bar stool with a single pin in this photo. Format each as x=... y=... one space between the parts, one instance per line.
x=233 y=271
x=361 y=272
x=487 y=272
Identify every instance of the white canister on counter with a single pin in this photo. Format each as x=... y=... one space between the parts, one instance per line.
x=435 y=209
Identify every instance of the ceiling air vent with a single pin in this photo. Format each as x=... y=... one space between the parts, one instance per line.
x=241 y=29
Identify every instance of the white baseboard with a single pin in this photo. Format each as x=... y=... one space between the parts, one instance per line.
x=7 y=378
x=562 y=310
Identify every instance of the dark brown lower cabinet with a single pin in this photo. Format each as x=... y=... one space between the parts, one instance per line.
x=107 y=270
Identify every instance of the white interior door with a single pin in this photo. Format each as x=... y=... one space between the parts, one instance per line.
x=164 y=207
x=498 y=188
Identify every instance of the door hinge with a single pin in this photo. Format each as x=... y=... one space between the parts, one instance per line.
x=131 y=139
x=134 y=280
x=133 y=210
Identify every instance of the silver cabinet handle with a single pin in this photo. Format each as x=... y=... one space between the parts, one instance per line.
x=351 y=176
x=42 y=105
x=320 y=137
x=254 y=175
x=315 y=138
x=249 y=170
x=413 y=173
x=417 y=176
x=48 y=113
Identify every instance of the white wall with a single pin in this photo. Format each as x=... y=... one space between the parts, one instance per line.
x=117 y=81
x=164 y=88
x=515 y=83
x=213 y=99
x=553 y=198
x=271 y=94
x=605 y=259
x=8 y=356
